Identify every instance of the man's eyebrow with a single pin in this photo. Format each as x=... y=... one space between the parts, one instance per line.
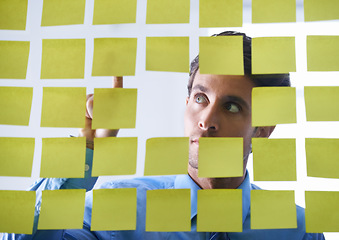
x=237 y=99
x=200 y=87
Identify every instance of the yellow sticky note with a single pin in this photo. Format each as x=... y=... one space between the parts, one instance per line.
x=321 y=211
x=322 y=157
x=166 y=156
x=168 y=210
x=63 y=58
x=273 y=55
x=63 y=12
x=114 y=56
x=14 y=162
x=13 y=14
x=220 y=13
x=16 y=105
x=63 y=157
x=62 y=209
x=63 y=107
x=13 y=58
x=114 y=11
x=323 y=53
x=114 y=209
x=322 y=103
x=17 y=211
x=169 y=54
x=318 y=10
x=267 y=11
x=219 y=210
x=220 y=157
x=114 y=108
x=273 y=209
x=221 y=55
x=273 y=105
x=274 y=159
x=115 y=156
x=168 y=11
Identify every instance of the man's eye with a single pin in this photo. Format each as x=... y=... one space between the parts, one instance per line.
x=200 y=99
x=232 y=107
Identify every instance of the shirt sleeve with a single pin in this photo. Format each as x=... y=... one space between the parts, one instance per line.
x=314 y=236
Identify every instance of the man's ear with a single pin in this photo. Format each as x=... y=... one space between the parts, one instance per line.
x=264 y=131
x=187 y=98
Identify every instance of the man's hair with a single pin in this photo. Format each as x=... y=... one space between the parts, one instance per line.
x=259 y=80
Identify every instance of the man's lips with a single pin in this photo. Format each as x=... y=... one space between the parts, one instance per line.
x=195 y=141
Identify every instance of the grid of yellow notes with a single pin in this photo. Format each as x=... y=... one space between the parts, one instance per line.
x=167 y=11
x=267 y=11
x=114 y=11
x=13 y=14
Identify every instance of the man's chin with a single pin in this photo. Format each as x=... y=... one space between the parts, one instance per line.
x=193 y=164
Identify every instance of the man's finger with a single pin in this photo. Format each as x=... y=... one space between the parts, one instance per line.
x=117 y=82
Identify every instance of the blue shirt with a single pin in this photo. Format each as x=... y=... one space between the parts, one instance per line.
x=151 y=183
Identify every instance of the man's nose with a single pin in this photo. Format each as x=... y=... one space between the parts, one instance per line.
x=209 y=120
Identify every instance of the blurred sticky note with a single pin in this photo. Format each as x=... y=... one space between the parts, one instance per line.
x=13 y=14
x=16 y=105
x=168 y=210
x=17 y=211
x=219 y=210
x=114 y=56
x=221 y=55
x=323 y=53
x=63 y=12
x=14 y=162
x=114 y=108
x=63 y=107
x=114 y=209
x=273 y=55
x=273 y=105
x=267 y=11
x=318 y=10
x=273 y=209
x=169 y=54
x=274 y=159
x=168 y=11
x=166 y=156
x=63 y=157
x=220 y=13
x=62 y=209
x=322 y=157
x=115 y=156
x=322 y=103
x=63 y=58
x=114 y=11
x=220 y=157
x=13 y=58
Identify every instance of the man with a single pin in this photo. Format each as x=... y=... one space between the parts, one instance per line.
x=216 y=106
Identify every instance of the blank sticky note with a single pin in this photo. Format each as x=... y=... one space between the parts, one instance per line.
x=322 y=103
x=13 y=14
x=273 y=209
x=114 y=108
x=63 y=157
x=114 y=11
x=168 y=210
x=220 y=13
x=220 y=157
x=63 y=107
x=13 y=58
x=221 y=55
x=274 y=159
x=114 y=56
x=169 y=54
x=322 y=157
x=17 y=211
x=168 y=11
x=273 y=55
x=273 y=105
x=219 y=210
x=166 y=156
x=266 y=11
x=16 y=105
x=318 y=10
x=63 y=58
x=114 y=209
x=63 y=12
x=323 y=53
x=115 y=156
x=14 y=162
x=62 y=209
